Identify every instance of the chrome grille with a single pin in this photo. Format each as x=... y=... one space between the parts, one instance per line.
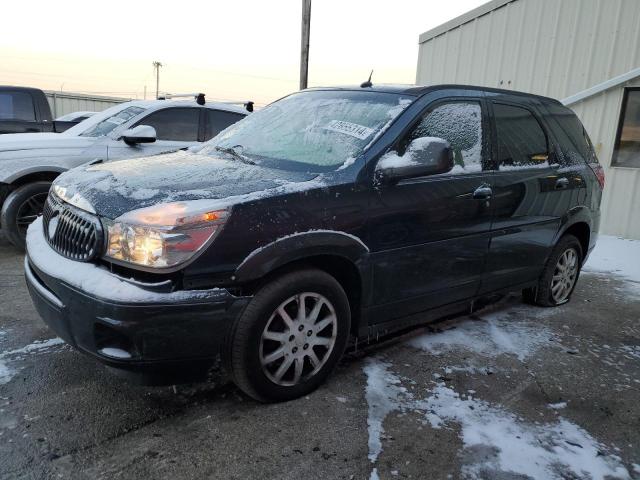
x=70 y=231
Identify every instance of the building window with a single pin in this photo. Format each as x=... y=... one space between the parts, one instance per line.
x=627 y=149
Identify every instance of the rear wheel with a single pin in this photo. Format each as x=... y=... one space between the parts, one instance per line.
x=21 y=208
x=560 y=275
x=291 y=336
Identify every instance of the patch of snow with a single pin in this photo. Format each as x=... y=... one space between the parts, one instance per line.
x=383 y=393
x=496 y=333
x=347 y=163
x=510 y=444
x=557 y=406
x=6 y=372
x=496 y=441
x=341 y=399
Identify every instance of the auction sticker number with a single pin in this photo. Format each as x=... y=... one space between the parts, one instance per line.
x=351 y=129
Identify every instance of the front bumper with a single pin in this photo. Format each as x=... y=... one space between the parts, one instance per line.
x=122 y=324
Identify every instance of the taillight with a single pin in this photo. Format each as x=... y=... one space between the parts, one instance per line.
x=599 y=171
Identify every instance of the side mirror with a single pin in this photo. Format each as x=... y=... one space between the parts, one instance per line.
x=424 y=156
x=139 y=134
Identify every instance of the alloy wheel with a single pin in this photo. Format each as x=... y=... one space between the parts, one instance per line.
x=298 y=339
x=29 y=211
x=564 y=276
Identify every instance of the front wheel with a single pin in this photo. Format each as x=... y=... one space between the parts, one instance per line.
x=20 y=209
x=560 y=274
x=291 y=336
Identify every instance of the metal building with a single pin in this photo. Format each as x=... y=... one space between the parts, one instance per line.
x=62 y=103
x=583 y=52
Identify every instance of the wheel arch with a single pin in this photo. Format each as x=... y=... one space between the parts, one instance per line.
x=582 y=231
x=48 y=175
x=338 y=254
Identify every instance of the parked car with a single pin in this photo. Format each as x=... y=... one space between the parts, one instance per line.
x=30 y=162
x=75 y=116
x=25 y=110
x=332 y=214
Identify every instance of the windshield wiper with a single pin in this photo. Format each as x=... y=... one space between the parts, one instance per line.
x=235 y=154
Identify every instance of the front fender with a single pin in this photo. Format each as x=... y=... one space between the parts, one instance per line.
x=297 y=247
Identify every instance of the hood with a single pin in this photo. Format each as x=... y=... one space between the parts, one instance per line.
x=33 y=142
x=114 y=188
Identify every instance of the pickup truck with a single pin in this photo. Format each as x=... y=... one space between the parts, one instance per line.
x=26 y=110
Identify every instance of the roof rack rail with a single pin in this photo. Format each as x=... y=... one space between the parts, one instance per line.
x=248 y=104
x=199 y=97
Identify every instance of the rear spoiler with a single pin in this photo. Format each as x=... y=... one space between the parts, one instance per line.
x=199 y=97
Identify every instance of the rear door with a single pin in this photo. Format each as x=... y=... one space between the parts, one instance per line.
x=429 y=236
x=531 y=194
x=218 y=120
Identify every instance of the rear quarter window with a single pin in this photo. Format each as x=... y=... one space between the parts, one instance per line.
x=17 y=106
x=571 y=136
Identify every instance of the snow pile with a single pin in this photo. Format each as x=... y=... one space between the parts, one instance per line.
x=393 y=160
x=616 y=256
x=511 y=445
x=496 y=333
x=39 y=346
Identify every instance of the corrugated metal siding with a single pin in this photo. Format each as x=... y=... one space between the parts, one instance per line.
x=553 y=48
x=62 y=103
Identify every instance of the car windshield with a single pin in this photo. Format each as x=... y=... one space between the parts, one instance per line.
x=102 y=124
x=312 y=130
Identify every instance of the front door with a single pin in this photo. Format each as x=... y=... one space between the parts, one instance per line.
x=429 y=236
x=176 y=128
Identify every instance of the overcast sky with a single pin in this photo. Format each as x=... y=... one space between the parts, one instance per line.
x=234 y=49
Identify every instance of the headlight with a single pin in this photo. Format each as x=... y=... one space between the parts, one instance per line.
x=164 y=235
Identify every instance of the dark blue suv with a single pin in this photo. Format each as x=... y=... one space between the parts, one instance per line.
x=332 y=215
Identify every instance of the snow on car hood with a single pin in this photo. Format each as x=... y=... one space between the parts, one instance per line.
x=114 y=188
x=35 y=143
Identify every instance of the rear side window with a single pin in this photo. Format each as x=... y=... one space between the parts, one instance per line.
x=460 y=124
x=521 y=141
x=627 y=149
x=176 y=124
x=17 y=106
x=218 y=120
x=572 y=137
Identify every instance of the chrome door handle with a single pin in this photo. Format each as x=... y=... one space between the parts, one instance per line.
x=483 y=192
x=562 y=183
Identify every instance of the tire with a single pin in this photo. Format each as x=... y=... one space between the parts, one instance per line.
x=262 y=342
x=20 y=208
x=547 y=293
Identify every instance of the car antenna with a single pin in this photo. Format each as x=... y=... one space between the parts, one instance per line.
x=368 y=83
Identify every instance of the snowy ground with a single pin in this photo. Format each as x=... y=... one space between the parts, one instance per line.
x=511 y=392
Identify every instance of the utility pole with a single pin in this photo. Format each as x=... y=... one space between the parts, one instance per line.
x=157 y=66
x=304 y=49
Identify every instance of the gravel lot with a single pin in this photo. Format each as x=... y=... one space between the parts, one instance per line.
x=510 y=392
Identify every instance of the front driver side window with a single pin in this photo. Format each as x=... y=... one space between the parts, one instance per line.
x=176 y=124
x=460 y=124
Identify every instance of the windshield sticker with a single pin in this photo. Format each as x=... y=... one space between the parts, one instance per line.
x=351 y=129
